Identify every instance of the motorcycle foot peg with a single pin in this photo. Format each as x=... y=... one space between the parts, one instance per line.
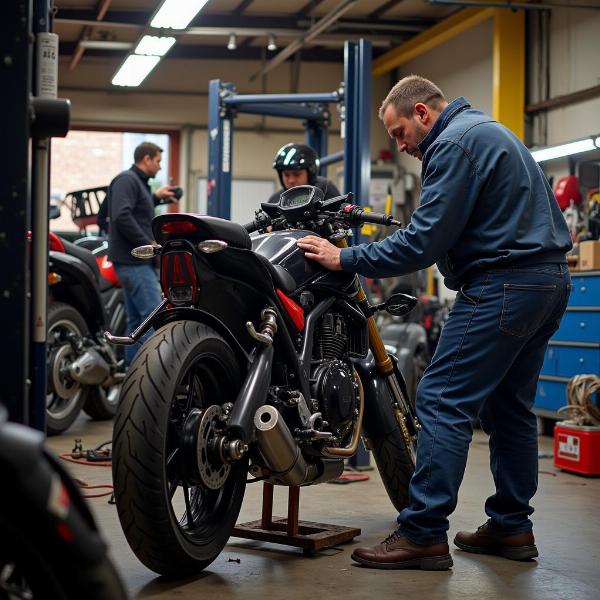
x=268 y=327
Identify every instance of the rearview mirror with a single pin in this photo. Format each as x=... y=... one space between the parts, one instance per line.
x=400 y=304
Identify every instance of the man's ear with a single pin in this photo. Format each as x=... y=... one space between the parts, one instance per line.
x=421 y=111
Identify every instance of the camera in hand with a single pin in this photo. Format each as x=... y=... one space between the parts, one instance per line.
x=177 y=193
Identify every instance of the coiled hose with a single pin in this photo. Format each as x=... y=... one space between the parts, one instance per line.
x=581 y=408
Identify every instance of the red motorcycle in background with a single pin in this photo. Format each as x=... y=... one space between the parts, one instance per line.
x=85 y=299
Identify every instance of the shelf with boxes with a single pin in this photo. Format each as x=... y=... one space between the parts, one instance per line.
x=575 y=347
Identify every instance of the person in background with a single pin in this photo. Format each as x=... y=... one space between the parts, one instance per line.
x=130 y=213
x=488 y=217
x=298 y=164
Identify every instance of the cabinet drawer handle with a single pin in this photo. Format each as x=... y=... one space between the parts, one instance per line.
x=583 y=289
x=582 y=324
x=581 y=361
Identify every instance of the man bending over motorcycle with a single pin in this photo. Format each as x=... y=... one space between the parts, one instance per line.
x=488 y=217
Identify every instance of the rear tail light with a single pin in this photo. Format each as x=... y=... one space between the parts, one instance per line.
x=178 y=228
x=178 y=278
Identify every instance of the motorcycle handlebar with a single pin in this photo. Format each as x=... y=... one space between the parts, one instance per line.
x=251 y=227
x=360 y=215
x=262 y=220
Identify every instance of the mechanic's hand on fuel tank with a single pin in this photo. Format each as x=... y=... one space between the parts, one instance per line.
x=322 y=251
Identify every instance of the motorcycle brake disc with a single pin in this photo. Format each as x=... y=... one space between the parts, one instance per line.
x=213 y=471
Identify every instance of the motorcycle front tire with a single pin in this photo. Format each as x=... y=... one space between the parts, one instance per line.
x=395 y=461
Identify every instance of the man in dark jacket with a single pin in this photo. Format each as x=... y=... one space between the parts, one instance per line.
x=130 y=212
x=298 y=164
x=488 y=217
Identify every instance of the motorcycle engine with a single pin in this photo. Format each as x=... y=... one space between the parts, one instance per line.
x=332 y=380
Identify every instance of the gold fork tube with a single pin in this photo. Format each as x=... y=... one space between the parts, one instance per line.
x=382 y=360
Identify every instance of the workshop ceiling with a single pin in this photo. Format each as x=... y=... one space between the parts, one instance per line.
x=94 y=32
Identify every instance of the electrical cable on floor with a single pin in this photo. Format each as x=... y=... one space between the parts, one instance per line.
x=79 y=458
x=581 y=408
x=86 y=486
x=98 y=457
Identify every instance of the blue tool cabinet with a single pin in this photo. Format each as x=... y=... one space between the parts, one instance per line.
x=575 y=347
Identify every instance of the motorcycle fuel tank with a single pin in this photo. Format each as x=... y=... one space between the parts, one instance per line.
x=280 y=248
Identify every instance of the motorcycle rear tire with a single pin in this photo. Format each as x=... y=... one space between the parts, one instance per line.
x=146 y=437
x=60 y=312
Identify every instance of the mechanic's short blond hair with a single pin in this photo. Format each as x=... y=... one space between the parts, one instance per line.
x=408 y=92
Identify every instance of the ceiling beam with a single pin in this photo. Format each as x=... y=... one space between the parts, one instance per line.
x=378 y=40
x=119 y=19
x=321 y=25
x=308 y=7
x=87 y=32
x=195 y=51
x=383 y=8
x=434 y=36
x=242 y=6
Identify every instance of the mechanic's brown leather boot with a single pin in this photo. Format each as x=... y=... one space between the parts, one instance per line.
x=487 y=540
x=397 y=552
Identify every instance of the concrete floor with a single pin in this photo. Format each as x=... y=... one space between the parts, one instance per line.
x=567 y=528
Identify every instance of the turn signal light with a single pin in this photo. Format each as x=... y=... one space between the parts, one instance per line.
x=210 y=246
x=54 y=278
x=146 y=251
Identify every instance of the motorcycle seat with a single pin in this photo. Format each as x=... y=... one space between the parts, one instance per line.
x=84 y=255
x=228 y=231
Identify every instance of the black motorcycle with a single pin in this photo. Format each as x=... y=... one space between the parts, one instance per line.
x=83 y=369
x=50 y=546
x=261 y=362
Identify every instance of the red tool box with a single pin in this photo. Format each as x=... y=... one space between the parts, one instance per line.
x=577 y=448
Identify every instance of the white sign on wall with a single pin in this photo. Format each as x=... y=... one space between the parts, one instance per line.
x=246 y=196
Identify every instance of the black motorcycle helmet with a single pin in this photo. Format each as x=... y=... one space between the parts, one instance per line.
x=295 y=157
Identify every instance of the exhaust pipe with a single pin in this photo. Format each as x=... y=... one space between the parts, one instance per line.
x=279 y=449
x=90 y=368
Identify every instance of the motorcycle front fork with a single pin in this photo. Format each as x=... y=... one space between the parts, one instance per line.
x=405 y=416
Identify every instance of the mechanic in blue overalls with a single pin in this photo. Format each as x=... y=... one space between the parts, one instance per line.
x=488 y=217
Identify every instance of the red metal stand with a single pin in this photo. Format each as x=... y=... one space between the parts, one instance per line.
x=307 y=535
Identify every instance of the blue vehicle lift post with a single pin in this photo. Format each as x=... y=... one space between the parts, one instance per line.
x=354 y=98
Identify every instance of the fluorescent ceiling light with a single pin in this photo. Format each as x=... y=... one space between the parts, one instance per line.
x=154 y=45
x=562 y=150
x=134 y=70
x=177 y=14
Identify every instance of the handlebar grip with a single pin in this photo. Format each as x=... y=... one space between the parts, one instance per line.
x=251 y=227
x=362 y=216
x=379 y=219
